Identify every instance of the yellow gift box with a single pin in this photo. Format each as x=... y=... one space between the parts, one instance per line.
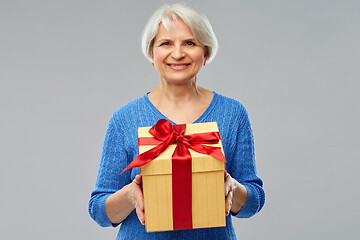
x=208 y=200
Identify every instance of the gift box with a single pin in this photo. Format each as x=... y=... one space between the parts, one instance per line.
x=183 y=185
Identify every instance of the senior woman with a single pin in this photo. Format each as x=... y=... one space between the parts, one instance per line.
x=178 y=41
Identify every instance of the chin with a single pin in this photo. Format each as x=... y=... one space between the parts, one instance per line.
x=179 y=81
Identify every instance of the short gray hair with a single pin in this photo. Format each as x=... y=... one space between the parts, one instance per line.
x=197 y=22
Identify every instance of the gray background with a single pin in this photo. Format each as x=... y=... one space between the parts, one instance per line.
x=65 y=66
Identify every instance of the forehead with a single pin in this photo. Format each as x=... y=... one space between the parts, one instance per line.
x=176 y=29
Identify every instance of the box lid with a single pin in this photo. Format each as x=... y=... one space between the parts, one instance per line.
x=200 y=162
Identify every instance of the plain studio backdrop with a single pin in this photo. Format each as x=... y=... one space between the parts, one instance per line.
x=65 y=66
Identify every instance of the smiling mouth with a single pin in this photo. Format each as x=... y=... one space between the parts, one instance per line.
x=179 y=66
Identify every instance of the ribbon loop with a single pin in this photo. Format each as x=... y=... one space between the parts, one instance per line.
x=162 y=130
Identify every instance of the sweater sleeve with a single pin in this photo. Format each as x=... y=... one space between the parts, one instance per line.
x=243 y=167
x=113 y=160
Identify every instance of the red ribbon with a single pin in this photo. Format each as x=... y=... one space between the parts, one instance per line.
x=166 y=134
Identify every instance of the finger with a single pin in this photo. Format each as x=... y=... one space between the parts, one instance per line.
x=227 y=184
x=140 y=210
x=225 y=174
x=226 y=188
x=138 y=199
x=141 y=216
x=138 y=204
x=138 y=196
x=228 y=203
x=138 y=179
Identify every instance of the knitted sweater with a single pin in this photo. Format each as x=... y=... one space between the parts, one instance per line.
x=120 y=148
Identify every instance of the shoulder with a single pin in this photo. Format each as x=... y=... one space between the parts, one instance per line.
x=128 y=113
x=130 y=106
x=230 y=106
x=130 y=109
x=228 y=110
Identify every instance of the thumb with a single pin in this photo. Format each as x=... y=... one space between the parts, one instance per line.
x=138 y=179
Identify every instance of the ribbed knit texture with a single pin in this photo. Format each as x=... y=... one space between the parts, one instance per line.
x=120 y=148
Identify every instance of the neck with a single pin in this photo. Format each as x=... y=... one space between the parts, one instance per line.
x=177 y=93
x=182 y=103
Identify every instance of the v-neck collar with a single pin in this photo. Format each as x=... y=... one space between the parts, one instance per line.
x=200 y=119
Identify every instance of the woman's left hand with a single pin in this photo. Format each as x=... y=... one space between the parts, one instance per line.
x=235 y=194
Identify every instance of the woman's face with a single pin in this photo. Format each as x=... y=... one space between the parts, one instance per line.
x=177 y=56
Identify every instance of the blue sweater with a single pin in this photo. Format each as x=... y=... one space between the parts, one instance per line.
x=120 y=148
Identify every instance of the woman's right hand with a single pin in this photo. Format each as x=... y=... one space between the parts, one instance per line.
x=137 y=197
x=121 y=203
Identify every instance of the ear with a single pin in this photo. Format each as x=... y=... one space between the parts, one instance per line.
x=205 y=59
x=206 y=55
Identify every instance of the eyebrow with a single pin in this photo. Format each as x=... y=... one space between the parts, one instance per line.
x=191 y=39
x=166 y=39
x=163 y=39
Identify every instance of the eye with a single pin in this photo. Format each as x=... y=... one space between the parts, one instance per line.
x=190 y=43
x=165 y=44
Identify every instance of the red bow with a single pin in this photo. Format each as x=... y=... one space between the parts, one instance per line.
x=166 y=134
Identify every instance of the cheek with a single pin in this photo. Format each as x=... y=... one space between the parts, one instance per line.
x=201 y=59
x=199 y=56
x=159 y=55
x=158 y=61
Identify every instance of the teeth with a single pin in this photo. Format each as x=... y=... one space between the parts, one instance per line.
x=178 y=65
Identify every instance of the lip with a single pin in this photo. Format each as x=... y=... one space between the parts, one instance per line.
x=178 y=66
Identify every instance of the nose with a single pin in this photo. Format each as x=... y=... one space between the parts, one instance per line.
x=177 y=53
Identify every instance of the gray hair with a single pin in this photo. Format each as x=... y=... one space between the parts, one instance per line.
x=197 y=22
